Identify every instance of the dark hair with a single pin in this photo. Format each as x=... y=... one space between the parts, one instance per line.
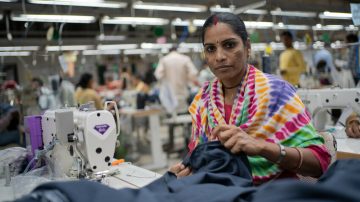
x=320 y=66
x=84 y=80
x=352 y=38
x=287 y=34
x=38 y=80
x=173 y=48
x=234 y=21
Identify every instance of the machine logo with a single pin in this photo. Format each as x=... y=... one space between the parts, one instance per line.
x=102 y=128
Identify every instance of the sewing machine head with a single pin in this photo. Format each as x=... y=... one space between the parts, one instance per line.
x=331 y=98
x=78 y=142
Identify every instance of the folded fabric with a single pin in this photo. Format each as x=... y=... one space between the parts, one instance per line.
x=217 y=175
x=340 y=183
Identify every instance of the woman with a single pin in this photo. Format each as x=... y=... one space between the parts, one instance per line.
x=139 y=85
x=85 y=91
x=251 y=112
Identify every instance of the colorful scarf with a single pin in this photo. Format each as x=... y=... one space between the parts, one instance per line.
x=264 y=107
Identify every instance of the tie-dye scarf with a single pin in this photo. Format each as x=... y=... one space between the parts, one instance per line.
x=265 y=107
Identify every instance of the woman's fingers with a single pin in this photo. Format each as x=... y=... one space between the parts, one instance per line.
x=184 y=172
x=355 y=129
x=177 y=168
x=358 y=135
x=218 y=129
x=230 y=143
x=180 y=170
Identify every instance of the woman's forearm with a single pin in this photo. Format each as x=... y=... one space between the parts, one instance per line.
x=308 y=166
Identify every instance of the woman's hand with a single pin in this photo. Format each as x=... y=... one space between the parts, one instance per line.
x=180 y=170
x=353 y=129
x=236 y=140
x=353 y=126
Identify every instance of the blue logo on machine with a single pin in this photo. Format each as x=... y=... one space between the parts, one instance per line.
x=102 y=128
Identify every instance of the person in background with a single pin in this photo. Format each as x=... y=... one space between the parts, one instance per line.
x=292 y=63
x=149 y=77
x=66 y=92
x=353 y=60
x=9 y=127
x=139 y=85
x=9 y=114
x=205 y=74
x=324 y=64
x=85 y=91
x=177 y=71
x=251 y=112
x=322 y=75
x=110 y=82
x=125 y=79
x=45 y=97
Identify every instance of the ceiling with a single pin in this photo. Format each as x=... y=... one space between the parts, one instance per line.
x=34 y=33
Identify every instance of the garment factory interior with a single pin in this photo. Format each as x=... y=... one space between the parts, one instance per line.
x=206 y=100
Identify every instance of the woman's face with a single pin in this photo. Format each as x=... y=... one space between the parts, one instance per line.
x=225 y=52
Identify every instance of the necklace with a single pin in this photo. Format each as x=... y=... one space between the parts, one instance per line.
x=235 y=86
x=231 y=87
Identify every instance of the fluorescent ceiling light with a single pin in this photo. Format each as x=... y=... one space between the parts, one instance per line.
x=200 y=23
x=219 y=9
x=68 y=48
x=196 y=22
x=191 y=45
x=53 y=18
x=23 y=53
x=8 y=1
x=351 y=28
x=169 y=7
x=258 y=46
x=258 y=25
x=291 y=27
x=135 y=21
x=184 y=50
x=300 y=45
x=319 y=27
x=19 y=48
x=256 y=11
x=139 y=51
x=250 y=6
x=186 y=47
x=293 y=13
x=1 y=16
x=117 y=46
x=335 y=15
x=276 y=46
x=84 y=3
x=111 y=37
x=156 y=45
x=101 y=52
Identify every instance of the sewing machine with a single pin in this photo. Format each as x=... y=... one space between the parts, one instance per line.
x=317 y=100
x=78 y=142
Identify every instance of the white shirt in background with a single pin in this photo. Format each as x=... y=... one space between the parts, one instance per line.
x=178 y=71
